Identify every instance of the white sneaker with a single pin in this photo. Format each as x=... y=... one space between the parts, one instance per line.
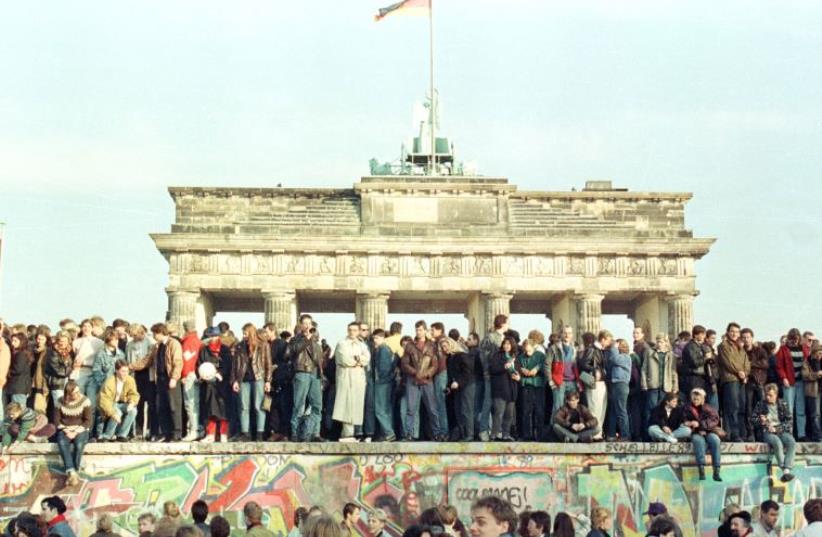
x=348 y=439
x=224 y=439
x=672 y=440
x=209 y=439
x=190 y=437
x=367 y=439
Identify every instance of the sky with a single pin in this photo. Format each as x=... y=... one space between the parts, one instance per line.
x=104 y=105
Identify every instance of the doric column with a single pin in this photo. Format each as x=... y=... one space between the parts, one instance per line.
x=182 y=306
x=280 y=307
x=495 y=304
x=203 y=312
x=372 y=308
x=680 y=314
x=589 y=312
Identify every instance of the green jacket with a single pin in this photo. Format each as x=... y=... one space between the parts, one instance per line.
x=26 y=421
x=258 y=531
x=535 y=361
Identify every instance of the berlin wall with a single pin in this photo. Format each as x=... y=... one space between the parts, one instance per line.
x=405 y=479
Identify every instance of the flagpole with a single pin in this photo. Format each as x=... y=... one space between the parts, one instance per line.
x=433 y=157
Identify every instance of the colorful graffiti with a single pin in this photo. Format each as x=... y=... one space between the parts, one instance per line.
x=404 y=484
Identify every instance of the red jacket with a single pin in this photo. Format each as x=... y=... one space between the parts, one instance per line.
x=191 y=351
x=784 y=363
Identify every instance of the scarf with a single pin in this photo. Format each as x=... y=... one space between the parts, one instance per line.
x=56 y=520
x=214 y=345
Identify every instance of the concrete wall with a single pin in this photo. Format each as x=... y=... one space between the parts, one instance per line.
x=404 y=479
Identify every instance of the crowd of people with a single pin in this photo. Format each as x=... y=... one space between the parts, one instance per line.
x=490 y=516
x=107 y=383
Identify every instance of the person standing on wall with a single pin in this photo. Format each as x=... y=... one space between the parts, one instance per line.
x=307 y=358
x=166 y=362
x=351 y=357
x=734 y=369
x=789 y=361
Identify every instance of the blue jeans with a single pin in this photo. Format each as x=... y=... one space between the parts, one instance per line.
x=440 y=384
x=369 y=418
x=784 y=448
x=812 y=412
x=408 y=433
x=72 y=450
x=482 y=405
x=122 y=429
x=191 y=404
x=56 y=395
x=733 y=400
x=19 y=398
x=307 y=389
x=247 y=390
x=795 y=397
x=383 y=406
x=425 y=392
x=658 y=435
x=711 y=441
x=618 y=416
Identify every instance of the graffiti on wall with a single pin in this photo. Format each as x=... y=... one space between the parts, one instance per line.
x=405 y=484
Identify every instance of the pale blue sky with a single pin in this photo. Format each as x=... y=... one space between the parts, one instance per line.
x=105 y=104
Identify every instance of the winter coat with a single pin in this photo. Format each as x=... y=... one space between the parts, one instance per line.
x=108 y=395
x=58 y=369
x=419 y=365
x=260 y=361
x=784 y=363
x=760 y=410
x=19 y=380
x=306 y=354
x=351 y=358
x=566 y=416
x=706 y=415
x=535 y=361
x=461 y=368
x=173 y=360
x=383 y=365
x=732 y=360
x=502 y=385
x=661 y=418
x=651 y=373
x=810 y=370
x=555 y=366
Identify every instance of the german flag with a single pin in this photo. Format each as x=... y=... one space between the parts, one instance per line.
x=404 y=7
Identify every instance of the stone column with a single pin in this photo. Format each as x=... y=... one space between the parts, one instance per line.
x=203 y=312
x=495 y=304
x=476 y=315
x=182 y=306
x=563 y=313
x=589 y=312
x=280 y=307
x=680 y=314
x=372 y=308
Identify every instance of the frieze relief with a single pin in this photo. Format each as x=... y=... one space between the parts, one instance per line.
x=607 y=266
x=576 y=265
x=389 y=266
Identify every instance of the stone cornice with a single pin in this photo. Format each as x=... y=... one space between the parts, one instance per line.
x=177 y=192
x=191 y=242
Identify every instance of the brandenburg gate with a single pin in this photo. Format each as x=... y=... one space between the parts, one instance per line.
x=420 y=244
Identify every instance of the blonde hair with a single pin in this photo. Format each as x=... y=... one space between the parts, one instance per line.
x=321 y=526
x=536 y=336
x=598 y=516
x=105 y=522
x=623 y=344
x=663 y=338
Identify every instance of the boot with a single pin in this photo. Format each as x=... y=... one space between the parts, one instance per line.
x=701 y=472
x=716 y=474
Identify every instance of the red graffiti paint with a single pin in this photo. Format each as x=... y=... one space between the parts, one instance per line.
x=238 y=480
